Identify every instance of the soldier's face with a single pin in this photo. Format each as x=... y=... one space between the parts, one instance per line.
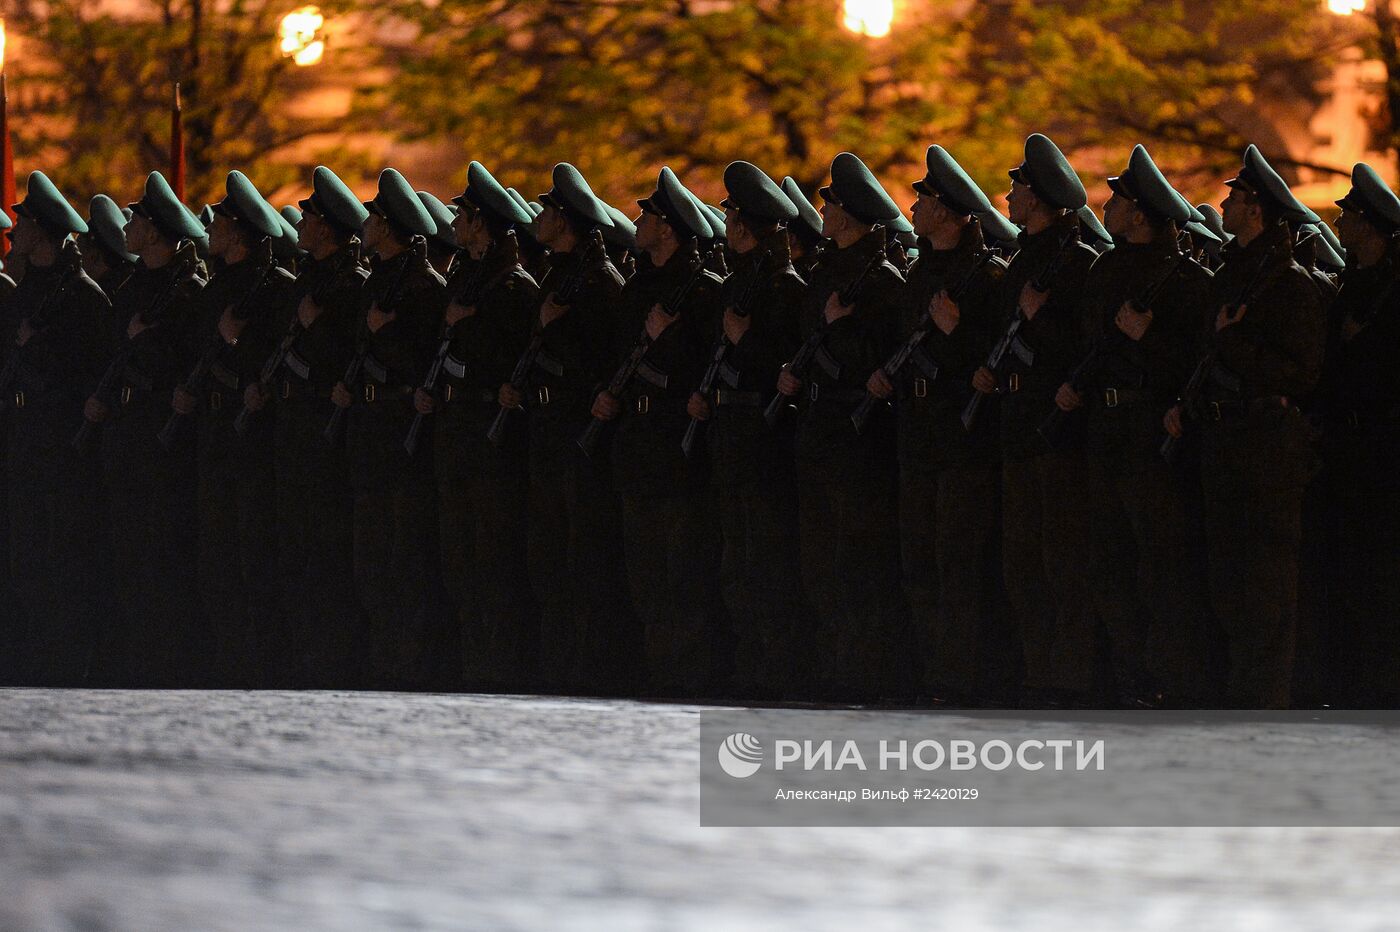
x=24 y=236
x=222 y=235
x=834 y=219
x=1118 y=214
x=551 y=225
x=139 y=233
x=1237 y=215
x=376 y=231
x=647 y=230
x=1019 y=201
x=1352 y=229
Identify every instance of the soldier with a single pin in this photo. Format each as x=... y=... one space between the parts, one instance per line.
x=621 y=240
x=752 y=488
x=1213 y=222
x=1140 y=318
x=574 y=538
x=845 y=481
x=949 y=478
x=482 y=488
x=668 y=540
x=55 y=316
x=442 y=242
x=105 y=259
x=316 y=326
x=237 y=555
x=11 y=628
x=395 y=528
x=150 y=490
x=1045 y=517
x=1361 y=407
x=533 y=254
x=1263 y=350
x=804 y=233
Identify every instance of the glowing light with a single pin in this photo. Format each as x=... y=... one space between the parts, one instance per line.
x=1346 y=7
x=869 y=17
x=2 y=43
x=298 y=33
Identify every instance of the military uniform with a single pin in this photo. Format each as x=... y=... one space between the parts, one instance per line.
x=151 y=490
x=1045 y=507
x=950 y=478
x=481 y=487
x=395 y=543
x=237 y=542
x=1147 y=559
x=574 y=538
x=845 y=480
x=668 y=537
x=751 y=468
x=1255 y=454
x=315 y=504
x=1360 y=405
x=804 y=231
x=55 y=556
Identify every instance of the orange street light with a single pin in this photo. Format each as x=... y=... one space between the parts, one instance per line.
x=300 y=35
x=1346 y=7
x=869 y=17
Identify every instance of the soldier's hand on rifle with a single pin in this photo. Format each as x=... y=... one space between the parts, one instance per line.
x=606 y=406
x=135 y=327
x=1224 y=318
x=25 y=331
x=1171 y=421
x=183 y=401
x=944 y=312
x=509 y=397
x=788 y=384
x=94 y=410
x=551 y=310
x=1031 y=301
x=255 y=397
x=879 y=384
x=658 y=320
x=377 y=319
x=307 y=311
x=340 y=396
x=1067 y=399
x=456 y=312
x=230 y=328
x=1350 y=328
x=735 y=325
x=1132 y=322
x=697 y=407
x=984 y=381
x=834 y=309
x=423 y=402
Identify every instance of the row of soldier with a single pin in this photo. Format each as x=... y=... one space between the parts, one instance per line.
x=753 y=451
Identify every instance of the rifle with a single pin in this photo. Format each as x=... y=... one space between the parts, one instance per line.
x=335 y=425
x=349 y=255
x=1041 y=283
x=475 y=287
x=721 y=350
x=1054 y=422
x=199 y=376
x=184 y=262
x=71 y=266
x=519 y=376
x=1195 y=385
x=894 y=366
x=588 y=440
x=802 y=361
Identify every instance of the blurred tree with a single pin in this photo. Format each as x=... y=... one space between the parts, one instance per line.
x=621 y=86
x=1182 y=77
x=96 y=82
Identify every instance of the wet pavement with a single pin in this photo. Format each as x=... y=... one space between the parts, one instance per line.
x=227 y=810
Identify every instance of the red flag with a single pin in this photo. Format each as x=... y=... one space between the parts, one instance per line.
x=8 y=194
x=177 y=147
